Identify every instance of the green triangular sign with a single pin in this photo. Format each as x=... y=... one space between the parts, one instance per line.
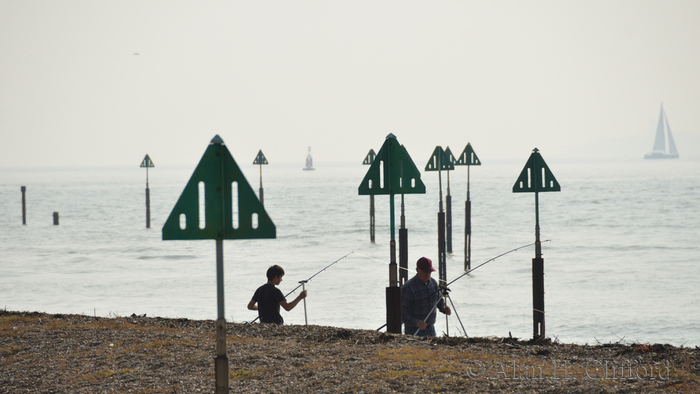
x=439 y=161
x=392 y=172
x=450 y=158
x=147 y=162
x=260 y=158
x=218 y=202
x=468 y=157
x=369 y=159
x=536 y=176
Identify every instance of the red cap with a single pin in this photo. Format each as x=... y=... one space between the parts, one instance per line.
x=424 y=264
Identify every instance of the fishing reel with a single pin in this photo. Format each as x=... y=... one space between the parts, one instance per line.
x=444 y=290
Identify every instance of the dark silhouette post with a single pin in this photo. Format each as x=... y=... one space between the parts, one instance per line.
x=439 y=162
x=261 y=160
x=468 y=158
x=448 y=203
x=535 y=178
x=403 y=247
x=369 y=159
x=392 y=172
x=24 y=205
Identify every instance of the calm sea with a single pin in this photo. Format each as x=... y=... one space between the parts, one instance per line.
x=621 y=263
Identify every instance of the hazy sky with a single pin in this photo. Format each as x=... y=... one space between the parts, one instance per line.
x=105 y=82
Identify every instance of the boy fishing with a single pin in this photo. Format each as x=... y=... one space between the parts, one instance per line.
x=268 y=298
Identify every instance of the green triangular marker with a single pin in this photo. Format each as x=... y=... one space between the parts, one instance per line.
x=369 y=159
x=260 y=158
x=536 y=176
x=439 y=161
x=147 y=162
x=392 y=172
x=468 y=157
x=218 y=202
x=450 y=158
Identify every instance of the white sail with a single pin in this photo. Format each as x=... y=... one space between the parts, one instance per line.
x=671 y=143
x=663 y=132
x=660 y=139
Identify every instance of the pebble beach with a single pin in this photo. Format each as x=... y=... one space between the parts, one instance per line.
x=54 y=353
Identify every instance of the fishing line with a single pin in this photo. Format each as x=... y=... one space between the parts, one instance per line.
x=456 y=279
x=302 y=283
x=384 y=262
x=467 y=273
x=492 y=259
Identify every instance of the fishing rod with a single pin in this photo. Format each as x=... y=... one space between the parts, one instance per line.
x=492 y=259
x=302 y=284
x=445 y=288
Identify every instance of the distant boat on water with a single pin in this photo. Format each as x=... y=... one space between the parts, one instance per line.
x=309 y=162
x=663 y=140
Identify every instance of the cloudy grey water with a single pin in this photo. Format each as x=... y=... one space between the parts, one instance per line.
x=621 y=263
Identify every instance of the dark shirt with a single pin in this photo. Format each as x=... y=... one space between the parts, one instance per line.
x=418 y=299
x=268 y=298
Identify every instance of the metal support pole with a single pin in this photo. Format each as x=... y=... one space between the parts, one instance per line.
x=403 y=256
x=468 y=236
x=148 y=203
x=538 y=279
x=303 y=288
x=468 y=229
x=393 y=279
x=393 y=292
x=442 y=256
x=24 y=205
x=403 y=247
x=148 y=208
x=538 y=298
x=262 y=200
x=448 y=217
x=221 y=361
x=371 y=218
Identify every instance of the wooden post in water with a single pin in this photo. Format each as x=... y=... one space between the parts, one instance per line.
x=392 y=172
x=403 y=247
x=148 y=207
x=535 y=178
x=371 y=218
x=261 y=160
x=24 y=205
x=468 y=158
x=369 y=159
x=55 y=218
x=448 y=217
x=440 y=161
x=448 y=203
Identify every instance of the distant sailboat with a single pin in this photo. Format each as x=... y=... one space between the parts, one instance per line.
x=663 y=132
x=309 y=162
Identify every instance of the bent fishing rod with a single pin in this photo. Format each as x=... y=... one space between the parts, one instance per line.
x=492 y=259
x=302 y=284
x=445 y=287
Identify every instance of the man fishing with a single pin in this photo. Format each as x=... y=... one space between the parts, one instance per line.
x=419 y=297
x=268 y=298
